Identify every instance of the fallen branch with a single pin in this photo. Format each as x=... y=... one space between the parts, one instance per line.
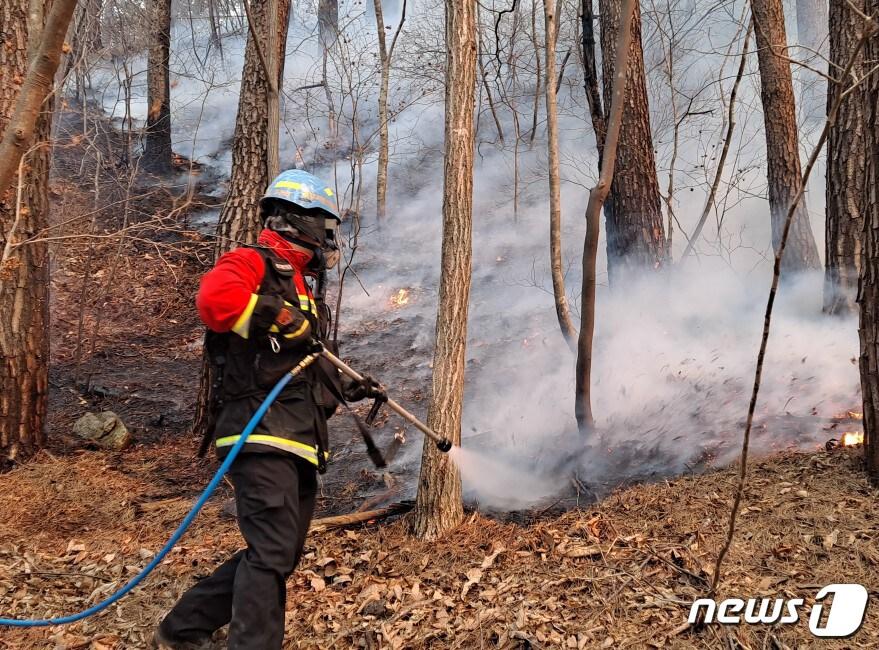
x=327 y=523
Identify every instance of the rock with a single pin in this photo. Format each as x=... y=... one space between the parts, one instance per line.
x=105 y=429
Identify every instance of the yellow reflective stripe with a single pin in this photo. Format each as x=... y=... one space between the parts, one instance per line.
x=298 y=332
x=300 y=449
x=293 y=185
x=242 y=325
x=306 y=303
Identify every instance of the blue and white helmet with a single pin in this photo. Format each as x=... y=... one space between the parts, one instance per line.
x=304 y=190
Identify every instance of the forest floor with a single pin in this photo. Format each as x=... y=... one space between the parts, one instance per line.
x=621 y=573
x=79 y=521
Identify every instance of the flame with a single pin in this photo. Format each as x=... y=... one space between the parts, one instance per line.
x=401 y=298
x=854 y=415
x=850 y=438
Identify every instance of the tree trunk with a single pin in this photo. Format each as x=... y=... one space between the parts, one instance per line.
x=439 y=506
x=239 y=219
x=846 y=161
x=256 y=126
x=869 y=292
x=590 y=76
x=24 y=271
x=635 y=234
x=328 y=32
x=45 y=55
x=597 y=196
x=381 y=177
x=157 y=142
x=563 y=311
x=328 y=22
x=86 y=37
x=782 y=149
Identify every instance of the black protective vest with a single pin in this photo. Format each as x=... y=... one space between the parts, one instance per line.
x=297 y=421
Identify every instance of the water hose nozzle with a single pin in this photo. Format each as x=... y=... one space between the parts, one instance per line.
x=444 y=445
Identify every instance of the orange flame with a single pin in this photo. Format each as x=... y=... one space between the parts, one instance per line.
x=850 y=438
x=401 y=298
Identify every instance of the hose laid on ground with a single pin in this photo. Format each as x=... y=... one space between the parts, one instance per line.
x=187 y=521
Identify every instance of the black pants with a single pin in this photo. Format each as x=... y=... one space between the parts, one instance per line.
x=274 y=495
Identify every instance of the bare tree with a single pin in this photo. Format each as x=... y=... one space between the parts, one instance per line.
x=24 y=270
x=439 y=506
x=157 y=139
x=597 y=196
x=846 y=162
x=384 y=54
x=635 y=234
x=782 y=144
x=563 y=311
x=328 y=33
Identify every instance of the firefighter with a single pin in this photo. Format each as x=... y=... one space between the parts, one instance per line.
x=263 y=317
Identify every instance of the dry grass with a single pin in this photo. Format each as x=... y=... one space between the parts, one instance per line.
x=619 y=575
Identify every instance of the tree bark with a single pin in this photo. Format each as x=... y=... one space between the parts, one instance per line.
x=635 y=234
x=20 y=122
x=868 y=296
x=256 y=129
x=782 y=145
x=597 y=196
x=157 y=141
x=846 y=161
x=439 y=506
x=590 y=76
x=239 y=219
x=24 y=271
x=563 y=311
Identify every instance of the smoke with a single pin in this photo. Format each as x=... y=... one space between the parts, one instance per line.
x=674 y=351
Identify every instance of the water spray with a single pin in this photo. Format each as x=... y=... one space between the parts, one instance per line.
x=443 y=444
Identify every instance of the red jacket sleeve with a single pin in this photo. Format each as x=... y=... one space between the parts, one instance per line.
x=227 y=289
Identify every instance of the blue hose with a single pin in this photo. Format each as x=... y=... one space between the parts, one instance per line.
x=181 y=529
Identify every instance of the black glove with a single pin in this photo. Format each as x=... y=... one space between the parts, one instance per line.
x=354 y=391
x=291 y=325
